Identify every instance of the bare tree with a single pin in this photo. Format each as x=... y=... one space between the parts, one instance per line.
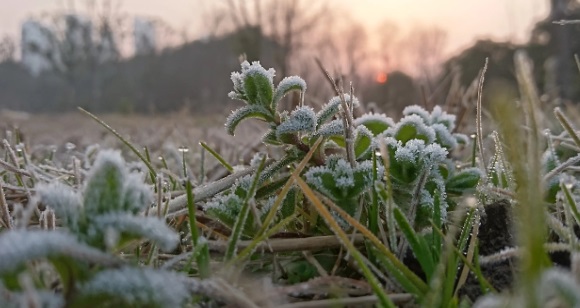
x=7 y=49
x=80 y=42
x=425 y=50
x=288 y=23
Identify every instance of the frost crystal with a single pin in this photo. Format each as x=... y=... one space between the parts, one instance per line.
x=287 y=85
x=332 y=128
x=442 y=117
x=417 y=110
x=147 y=227
x=65 y=202
x=444 y=137
x=421 y=130
x=135 y=287
x=333 y=106
x=303 y=119
x=377 y=123
x=20 y=246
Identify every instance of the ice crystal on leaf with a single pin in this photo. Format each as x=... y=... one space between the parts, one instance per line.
x=303 y=119
x=330 y=109
x=417 y=110
x=33 y=298
x=341 y=182
x=332 y=128
x=21 y=246
x=438 y=116
x=376 y=123
x=287 y=85
x=137 y=287
x=412 y=127
x=130 y=226
x=65 y=202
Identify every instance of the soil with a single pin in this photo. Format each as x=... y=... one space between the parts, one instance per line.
x=495 y=234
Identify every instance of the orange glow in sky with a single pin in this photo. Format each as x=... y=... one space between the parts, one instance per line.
x=381 y=78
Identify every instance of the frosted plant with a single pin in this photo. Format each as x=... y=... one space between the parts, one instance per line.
x=341 y=182
x=22 y=246
x=105 y=214
x=412 y=127
x=376 y=123
x=303 y=119
x=135 y=287
x=255 y=86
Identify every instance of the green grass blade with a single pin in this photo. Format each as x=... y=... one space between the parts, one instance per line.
x=202 y=256
x=241 y=220
x=384 y=299
x=417 y=244
x=217 y=156
x=152 y=171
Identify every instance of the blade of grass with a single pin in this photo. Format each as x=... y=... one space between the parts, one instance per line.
x=420 y=284
x=280 y=197
x=218 y=157
x=244 y=212
x=418 y=244
x=152 y=172
x=255 y=242
x=384 y=300
x=202 y=255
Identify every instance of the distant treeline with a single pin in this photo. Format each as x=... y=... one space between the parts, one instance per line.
x=194 y=76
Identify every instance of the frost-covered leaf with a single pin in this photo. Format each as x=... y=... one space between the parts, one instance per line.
x=65 y=202
x=254 y=84
x=461 y=138
x=332 y=107
x=363 y=141
x=287 y=85
x=444 y=136
x=438 y=116
x=303 y=119
x=332 y=128
x=103 y=190
x=111 y=187
x=376 y=123
x=341 y=182
x=412 y=127
x=419 y=111
x=130 y=226
x=271 y=138
x=137 y=196
x=21 y=246
x=246 y=112
x=35 y=298
x=464 y=180
x=135 y=287
x=258 y=85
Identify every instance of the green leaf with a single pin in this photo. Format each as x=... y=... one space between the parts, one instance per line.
x=376 y=123
x=406 y=133
x=363 y=142
x=104 y=187
x=417 y=243
x=258 y=88
x=464 y=180
x=246 y=112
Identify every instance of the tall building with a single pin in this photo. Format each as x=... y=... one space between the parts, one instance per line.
x=144 y=36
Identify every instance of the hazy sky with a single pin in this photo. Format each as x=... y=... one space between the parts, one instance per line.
x=464 y=20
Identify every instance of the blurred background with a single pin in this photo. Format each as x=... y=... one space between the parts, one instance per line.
x=154 y=57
